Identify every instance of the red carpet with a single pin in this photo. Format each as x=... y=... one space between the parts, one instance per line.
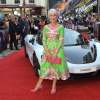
x=17 y=78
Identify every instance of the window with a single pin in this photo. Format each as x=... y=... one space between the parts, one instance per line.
x=3 y=1
x=31 y=1
x=17 y=1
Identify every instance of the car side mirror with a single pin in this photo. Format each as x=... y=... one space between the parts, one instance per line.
x=31 y=41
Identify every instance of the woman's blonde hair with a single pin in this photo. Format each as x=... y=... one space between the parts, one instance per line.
x=53 y=11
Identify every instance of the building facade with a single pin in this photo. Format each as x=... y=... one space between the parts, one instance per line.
x=22 y=6
x=52 y=3
x=13 y=2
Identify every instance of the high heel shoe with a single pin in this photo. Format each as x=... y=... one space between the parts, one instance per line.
x=53 y=91
x=36 y=88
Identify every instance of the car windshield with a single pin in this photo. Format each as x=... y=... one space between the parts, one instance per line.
x=72 y=38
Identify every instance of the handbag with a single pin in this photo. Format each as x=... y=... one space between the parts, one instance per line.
x=53 y=59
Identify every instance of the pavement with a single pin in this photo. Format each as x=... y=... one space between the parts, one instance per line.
x=6 y=52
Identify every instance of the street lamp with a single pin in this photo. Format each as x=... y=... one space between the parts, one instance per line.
x=20 y=8
x=24 y=6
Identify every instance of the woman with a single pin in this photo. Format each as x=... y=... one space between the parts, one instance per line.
x=42 y=23
x=53 y=35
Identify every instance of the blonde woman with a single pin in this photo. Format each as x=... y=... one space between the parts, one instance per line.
x=53 y=35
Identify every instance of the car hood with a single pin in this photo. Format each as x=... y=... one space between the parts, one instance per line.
x=79 y=54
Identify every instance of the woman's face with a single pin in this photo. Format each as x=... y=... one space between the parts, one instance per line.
x=42 y=22
x=53 y=17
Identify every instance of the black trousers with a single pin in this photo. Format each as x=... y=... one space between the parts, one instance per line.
x=13 y=41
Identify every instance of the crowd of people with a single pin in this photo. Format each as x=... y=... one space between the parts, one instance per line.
x=15 y=28
x=87 y=20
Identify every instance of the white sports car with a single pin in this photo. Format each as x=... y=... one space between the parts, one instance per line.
x=81 y=55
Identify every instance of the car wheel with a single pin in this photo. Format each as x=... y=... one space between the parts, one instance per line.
x=36 y=64
x=26 y=55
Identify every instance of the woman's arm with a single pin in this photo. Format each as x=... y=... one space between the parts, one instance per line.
x=61 y=39
x=44 y=40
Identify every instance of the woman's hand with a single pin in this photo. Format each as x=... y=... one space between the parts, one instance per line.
x=47 y=51
x=51 y=52
x=55 y=51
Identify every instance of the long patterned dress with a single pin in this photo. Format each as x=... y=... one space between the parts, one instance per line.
x=53 y=39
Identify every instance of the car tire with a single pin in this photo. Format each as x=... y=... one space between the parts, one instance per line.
x=36 y=64
x=25 y=51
